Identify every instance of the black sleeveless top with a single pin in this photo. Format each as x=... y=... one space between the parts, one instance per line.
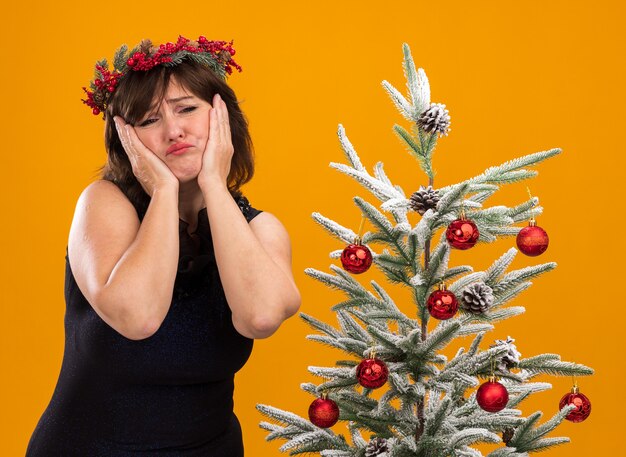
x=167 y=395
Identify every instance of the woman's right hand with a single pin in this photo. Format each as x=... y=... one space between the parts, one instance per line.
x=151 y=172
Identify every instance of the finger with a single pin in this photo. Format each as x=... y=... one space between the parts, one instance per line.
x=119 y=121
x=121 y=127
x=128 y=143
x=224 y=127
x=213 y=131
x=132 y=154
x=226 y=122
x=138 y=146
x=222 y=120
x=218 y=119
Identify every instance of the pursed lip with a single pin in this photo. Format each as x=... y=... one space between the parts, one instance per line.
x=177 y=147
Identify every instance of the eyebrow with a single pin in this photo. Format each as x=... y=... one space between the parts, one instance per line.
x=178 y=99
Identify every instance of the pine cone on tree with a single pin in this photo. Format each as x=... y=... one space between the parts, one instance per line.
x=507 y=434
x=424 y=199
x=435 y=119
x=511 y=358
x=377 y=447
x=460 y=401
x=477 y=298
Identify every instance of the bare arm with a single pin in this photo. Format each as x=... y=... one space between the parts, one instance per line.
x=254 y=262
x=125 y=270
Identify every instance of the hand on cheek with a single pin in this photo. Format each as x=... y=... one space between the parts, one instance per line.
x=218 y=153
x=150 y=170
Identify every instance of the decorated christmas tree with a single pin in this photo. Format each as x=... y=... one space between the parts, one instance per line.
x=398 y=394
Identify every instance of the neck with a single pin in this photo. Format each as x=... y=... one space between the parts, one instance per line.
x=190 y=201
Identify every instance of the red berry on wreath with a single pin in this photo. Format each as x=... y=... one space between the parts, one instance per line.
x=442 y=304
x=582 y=403
x=324 y=412
x=372 y=373
x=492 y=396
x=356 y=258
x=462 y=233
x=532 y=240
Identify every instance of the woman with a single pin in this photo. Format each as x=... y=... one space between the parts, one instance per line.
x=170 y=273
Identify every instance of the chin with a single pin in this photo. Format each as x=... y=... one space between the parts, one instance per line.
x=187 y=174
x=186 y=179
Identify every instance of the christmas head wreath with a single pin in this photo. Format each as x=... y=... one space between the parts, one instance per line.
x=216 y=55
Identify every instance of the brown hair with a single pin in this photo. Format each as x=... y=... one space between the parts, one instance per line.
x=134 y=97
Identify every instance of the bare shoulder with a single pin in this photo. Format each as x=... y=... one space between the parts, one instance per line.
x=267 y=226
x=102 y=205
x=274 y=238
x=105 y=223
x=102 y=191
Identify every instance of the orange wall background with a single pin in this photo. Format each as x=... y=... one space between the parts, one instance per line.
x=517 y=77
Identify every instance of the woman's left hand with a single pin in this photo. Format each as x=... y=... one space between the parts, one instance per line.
x=218 y=153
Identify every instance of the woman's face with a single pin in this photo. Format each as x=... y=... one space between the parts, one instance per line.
x=177 y=131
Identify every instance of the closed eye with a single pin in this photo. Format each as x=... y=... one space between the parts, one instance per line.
x=147 y=122
x=188 y=109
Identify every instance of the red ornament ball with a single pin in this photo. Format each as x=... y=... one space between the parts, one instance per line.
x=582 y=403
x=442 y=304
x=492 y=396
x=356 y=258
x=532 y=240
x=372 y=373
x=324 y=412
x=462 y=234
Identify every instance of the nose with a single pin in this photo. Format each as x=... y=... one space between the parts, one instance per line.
x=173 y=128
